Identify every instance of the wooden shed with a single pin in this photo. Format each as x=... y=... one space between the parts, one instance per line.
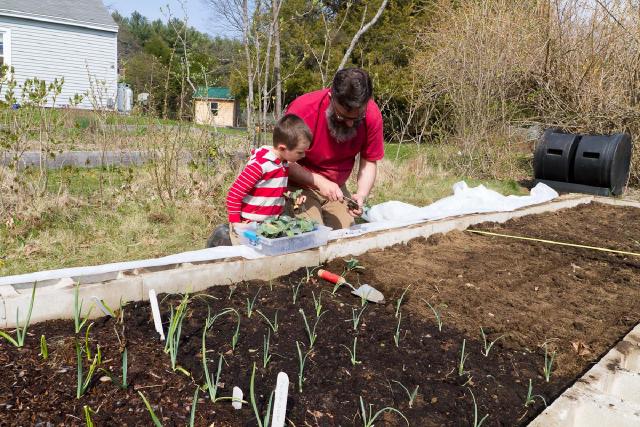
x=215 y=106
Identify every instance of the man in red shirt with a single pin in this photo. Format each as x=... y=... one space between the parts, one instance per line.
x=346 y=123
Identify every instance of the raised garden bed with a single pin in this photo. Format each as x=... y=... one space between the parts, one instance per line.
x=577 y=301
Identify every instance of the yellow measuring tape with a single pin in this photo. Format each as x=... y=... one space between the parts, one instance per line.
x=595 y=248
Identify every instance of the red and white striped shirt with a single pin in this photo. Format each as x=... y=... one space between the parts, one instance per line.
x=257 y=193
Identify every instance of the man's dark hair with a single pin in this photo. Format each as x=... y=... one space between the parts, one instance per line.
x=352 y=88
x=290 y=131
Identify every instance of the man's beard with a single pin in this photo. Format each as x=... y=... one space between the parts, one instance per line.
x=340 y=131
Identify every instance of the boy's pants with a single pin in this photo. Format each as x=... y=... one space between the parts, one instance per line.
x=317 y=207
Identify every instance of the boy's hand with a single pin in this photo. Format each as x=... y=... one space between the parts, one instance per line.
x=239 y=227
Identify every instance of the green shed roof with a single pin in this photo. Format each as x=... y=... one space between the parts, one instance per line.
x=213 y=92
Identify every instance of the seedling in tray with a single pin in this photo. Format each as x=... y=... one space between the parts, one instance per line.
x=285 y=226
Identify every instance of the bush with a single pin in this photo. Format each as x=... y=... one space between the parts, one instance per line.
x=494 y=64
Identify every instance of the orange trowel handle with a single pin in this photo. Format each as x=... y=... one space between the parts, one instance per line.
x=330 y=277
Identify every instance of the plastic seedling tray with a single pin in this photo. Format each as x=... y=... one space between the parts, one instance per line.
x=285 y=245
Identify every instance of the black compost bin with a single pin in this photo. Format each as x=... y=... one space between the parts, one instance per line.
x=603 y=161
x=554 y=156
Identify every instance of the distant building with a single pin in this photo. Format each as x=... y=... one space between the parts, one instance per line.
x=74 y=39
x=215 y=106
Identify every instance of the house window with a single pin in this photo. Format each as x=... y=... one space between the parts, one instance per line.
x=214 y=108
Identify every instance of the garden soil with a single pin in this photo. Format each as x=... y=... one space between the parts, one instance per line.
x=527 y=295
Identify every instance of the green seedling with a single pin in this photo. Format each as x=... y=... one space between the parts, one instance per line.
x=352 y=353
x=212 y=386
x=154 y=417
x=296 y=290
x=273 y=325
x=368 y=418
x=262 y=422
x=84 y=382
x=476 y=422
x=436 y=314
x=410 y=394
x=87 y=415
x=236 y=333
x=396 y=336
x=44 y=349
x=87 y=349
x=175 y=329
x=192 y=418
x=309 y=273
x=399 y=301
x=232 y=289
x=463 y=358
x=311 y=333
x=487 y=345
x=356 y=316
x=531 y=398
x=252 y=303
x=21 y=332
x=78 y=321
x=548 y=363
x=285 y=226
x=301 y=361
x=317 y=303
x=266 y=356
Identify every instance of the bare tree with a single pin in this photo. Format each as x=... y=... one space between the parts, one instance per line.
x=276 y=59
x=363 y=29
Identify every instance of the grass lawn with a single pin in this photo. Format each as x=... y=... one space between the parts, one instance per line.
x=94 y=216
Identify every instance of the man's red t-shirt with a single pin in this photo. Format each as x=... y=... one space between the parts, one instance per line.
x=332 y=159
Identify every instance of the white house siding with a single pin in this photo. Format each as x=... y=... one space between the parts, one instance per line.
x=49 y=50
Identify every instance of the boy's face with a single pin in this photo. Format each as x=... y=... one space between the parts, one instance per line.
x=295 y=154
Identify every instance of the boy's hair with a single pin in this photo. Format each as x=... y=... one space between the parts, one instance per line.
x=352 y=88
x=290 y=131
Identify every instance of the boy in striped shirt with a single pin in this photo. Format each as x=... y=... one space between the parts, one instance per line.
x=258 y=192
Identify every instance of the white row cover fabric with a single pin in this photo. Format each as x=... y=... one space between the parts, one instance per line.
x=386 y=215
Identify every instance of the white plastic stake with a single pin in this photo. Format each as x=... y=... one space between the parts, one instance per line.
x=280 y=403
x=155 y=309
x=101 y=306
x=236 y=398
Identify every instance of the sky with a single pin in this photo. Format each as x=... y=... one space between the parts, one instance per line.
x=201 y=16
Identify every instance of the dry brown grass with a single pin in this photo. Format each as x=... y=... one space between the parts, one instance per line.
x=492 y=64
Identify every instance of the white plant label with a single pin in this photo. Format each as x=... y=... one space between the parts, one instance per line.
x=101 y=306
x=280 y=403
x=236 y=398
x=155 y=309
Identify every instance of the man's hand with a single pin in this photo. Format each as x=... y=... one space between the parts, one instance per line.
x=329 y=189
x=360 y=200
